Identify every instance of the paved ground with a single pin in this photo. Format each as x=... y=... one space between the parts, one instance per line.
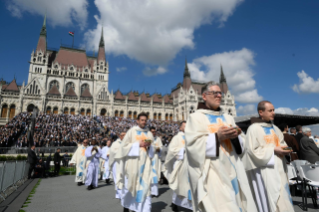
x=61 y=194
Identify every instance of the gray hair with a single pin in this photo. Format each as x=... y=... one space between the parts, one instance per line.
x=306 y=129
x=208 y=85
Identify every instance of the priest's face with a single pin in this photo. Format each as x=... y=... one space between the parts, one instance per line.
x=269 y=113
x=213 y=97
x=142 y=122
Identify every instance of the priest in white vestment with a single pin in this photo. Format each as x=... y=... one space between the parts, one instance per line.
x=79 y=160
x=93 y=154
x=105 y=158
x=213 y=148
x=175 y=171
x=116 y=166
x=137 y=152
x=265 y=162
x=156 y=162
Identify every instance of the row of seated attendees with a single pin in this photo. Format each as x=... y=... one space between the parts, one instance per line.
x=60 y=130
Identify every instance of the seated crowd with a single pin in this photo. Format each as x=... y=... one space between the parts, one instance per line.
x=60 y=130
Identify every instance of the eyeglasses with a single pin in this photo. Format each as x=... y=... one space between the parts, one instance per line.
x=215 y=93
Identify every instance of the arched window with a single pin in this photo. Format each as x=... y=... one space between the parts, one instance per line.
x=69 y=85
x=103 y=112
x=66 y=110
x=148 y=115
x=171 y=117
x=12 y=111
x=72 y=111
x=30 y=108
x=122 y=114
x=116 y=113
x=166 y=117
x=135 y=115
x=48 y=110
x=83 y=87
x=82 y=112
x=159 y=116
x=88 y=112
x=4 y=111
x=154 y=116
x=53 y=83
x=130 y=114
x=55 y=110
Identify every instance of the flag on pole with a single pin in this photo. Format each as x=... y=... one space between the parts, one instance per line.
x=71 y=33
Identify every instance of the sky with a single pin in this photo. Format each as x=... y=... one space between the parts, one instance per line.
x=268 y=49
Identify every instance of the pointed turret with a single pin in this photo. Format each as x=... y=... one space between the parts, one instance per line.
x=42 y=43
x=222 y=81
x=101 y=53
x=187 y=77
x=186 y=71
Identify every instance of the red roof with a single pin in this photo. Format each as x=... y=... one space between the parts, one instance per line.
x=156 y=98
x=54 y=91
x=167 y=99
x=91 y=62
x=119 y=95
x=198 y=87
x=144 y=98
x=12 y=86
x=132 y=97
x=86 y=93
x=101 y=55
x=70 y=92
x=74 y=57
x=42 y=44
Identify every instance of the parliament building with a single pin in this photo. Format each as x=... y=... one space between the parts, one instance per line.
x=68 y=81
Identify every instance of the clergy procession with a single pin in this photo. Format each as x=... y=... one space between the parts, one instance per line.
x=211 y=165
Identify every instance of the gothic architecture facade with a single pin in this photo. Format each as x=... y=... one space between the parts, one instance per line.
x=71 y=82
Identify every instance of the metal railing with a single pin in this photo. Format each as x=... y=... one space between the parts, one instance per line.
x=11 y=173
x=40 y=150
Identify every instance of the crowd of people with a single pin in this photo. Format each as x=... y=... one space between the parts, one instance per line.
x=61 y=130
x=15 y=128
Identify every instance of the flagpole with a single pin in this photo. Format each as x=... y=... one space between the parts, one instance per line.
x=72 y=41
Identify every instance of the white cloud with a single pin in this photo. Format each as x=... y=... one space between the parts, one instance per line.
x=120 y=69
x=247 y=109
x=154 y=31
x=59 y=12
x=307 y=84
x=299 y=111
x=237 y=66
x=284 y=110
x=154 y=71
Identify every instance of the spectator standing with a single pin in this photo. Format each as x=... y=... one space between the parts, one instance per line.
x=308 y=149
x=66 y=159
x=291 y=142
x=57 y=161
x=32 y=158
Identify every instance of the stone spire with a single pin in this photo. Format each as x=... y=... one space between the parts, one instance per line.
x=102 y=39
x=44 y=26
x=42 y=43
x=187 y=82
x=186 y=71
x=222 y=77
x=101 y=53
x=222 y=81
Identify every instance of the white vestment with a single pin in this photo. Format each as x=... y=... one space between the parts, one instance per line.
x=117 y=168
x=138 y=169
x=156 y=166
x=79 y=160
x=217 y=176
x=175 y=171
x=266 y=171
x=105 y=164
x=92 y=175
